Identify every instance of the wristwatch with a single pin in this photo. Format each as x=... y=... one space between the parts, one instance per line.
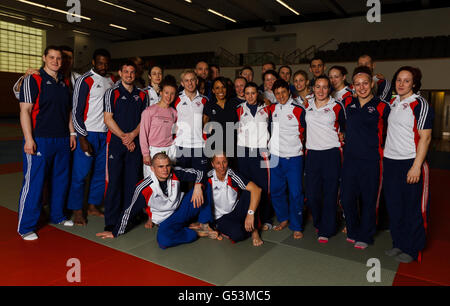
x=250 y=212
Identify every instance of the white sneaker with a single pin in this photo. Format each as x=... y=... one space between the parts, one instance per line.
x=66 y=223
x=30 y=236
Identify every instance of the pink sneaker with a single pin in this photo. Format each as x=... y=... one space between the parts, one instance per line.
x=322 y=239
x=351 y=240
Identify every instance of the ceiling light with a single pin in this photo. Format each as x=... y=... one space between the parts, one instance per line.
x=221 y=15
x=288 y=7
x=117 y=26
x=118 y=6
x=161 y=20
x=41 y=22
x=188 y=1
x=13 y=16
x=79 y=32
x=54 y=9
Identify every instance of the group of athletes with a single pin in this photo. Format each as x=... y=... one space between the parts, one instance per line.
x=214 y=157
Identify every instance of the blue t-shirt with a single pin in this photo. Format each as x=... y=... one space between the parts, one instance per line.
x=51 y=104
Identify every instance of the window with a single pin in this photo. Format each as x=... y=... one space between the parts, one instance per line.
x=20 y=47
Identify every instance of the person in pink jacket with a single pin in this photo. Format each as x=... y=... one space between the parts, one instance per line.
x=157 y=123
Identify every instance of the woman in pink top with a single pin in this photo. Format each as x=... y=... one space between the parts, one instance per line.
x=157 y=122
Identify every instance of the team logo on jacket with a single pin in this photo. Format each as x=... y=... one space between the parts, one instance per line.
x=353 y=106
x=290 y=117
x=326 y=110
x=371 y=109
x=136 y=98
x=49 y=83
x=184 y=103
x=99 y=86
x=261 y=112
x=276 y=115
x=213 y=111
x=405 y=106
x=198 y=103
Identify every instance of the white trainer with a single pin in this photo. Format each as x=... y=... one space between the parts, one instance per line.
x=30 y=236
x=66 y=223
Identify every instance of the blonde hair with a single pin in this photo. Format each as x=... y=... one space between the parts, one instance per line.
x=187 y=71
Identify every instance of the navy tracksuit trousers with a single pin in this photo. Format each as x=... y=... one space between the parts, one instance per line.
x=124 y=171
x=407 y=205
x=322 y=175
x=233 y=224
x=255 y=166
x=360 y=184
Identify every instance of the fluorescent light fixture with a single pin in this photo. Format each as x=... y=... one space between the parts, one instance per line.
x=53 y=9
x=161 y=20
x=288 y=7
x=221 y=15
x=118 y=6
x=117 y=26
x=13 y=16
x=79 y=32
x=41 y=22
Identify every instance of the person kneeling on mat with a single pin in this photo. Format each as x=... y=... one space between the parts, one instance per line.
x=234 y=211
x=161 y=196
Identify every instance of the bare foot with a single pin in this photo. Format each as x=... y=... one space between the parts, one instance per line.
x=280 y=226
x=206 y=231
x=195 y=225
x=149 y=224
x=298 y=235
x=105 y=235
x=94 y=211
x=256 y=239
x=78 y=218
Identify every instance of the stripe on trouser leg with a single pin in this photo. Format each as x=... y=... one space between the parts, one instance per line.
x=126 y=215
x=26 y=187
x=424 y=202
x=379 y=189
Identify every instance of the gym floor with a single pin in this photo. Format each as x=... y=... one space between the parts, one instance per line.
x=135 y=258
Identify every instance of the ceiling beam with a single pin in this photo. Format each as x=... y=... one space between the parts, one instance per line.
x=335 y=8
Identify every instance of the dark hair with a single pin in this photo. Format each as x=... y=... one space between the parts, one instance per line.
x=200 y=81
x=259 y=99
x=416 y=74
x=303 y=73
x=323 y=77
x=280 y=83
x=362 y=69
x=270 y=63
x=367 y=55
x=169 y=80
x=224 y=83
x=341 y=69
x=151 y=68
x=242 y=78
x=215 y=66
x=246 y=68
x=285 y=66
x=65 y=48
x=128 y=63
x=272 y=72
x=315 y=58
x=51 y=47
x=101 y=52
